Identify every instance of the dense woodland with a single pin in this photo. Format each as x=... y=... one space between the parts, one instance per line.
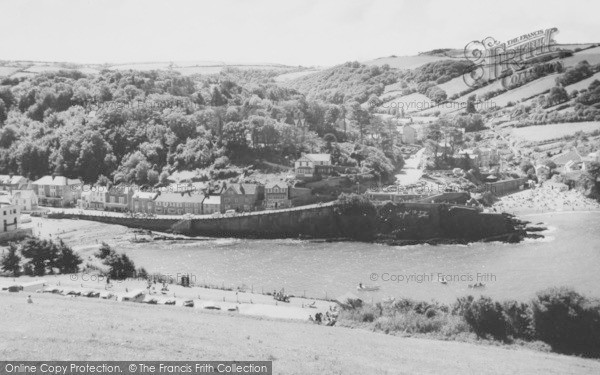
x=139 y=127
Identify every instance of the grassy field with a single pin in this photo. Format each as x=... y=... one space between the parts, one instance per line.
x=583 y=84
x=591 y=55
x=6 y=71
x=290 y=76
x=411 y=103
x=526 y=91
x=60 y=328
x=454 y=86
x=554 y=131
x=405 y=62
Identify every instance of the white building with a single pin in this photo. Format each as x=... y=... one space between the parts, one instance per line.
x=27 y=200
x=9 y=215
x=310 y=164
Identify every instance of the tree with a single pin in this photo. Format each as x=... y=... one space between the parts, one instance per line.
x=557 y=95
x=329 y=139
x=217 y=99
x=471 y=104
x=3 y=112
x=42 y=254
x=120 y=266
x=10 y=261
x=67 y=261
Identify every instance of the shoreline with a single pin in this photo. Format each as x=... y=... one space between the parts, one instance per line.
x=247 y=303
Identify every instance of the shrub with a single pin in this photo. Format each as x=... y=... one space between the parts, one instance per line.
x=520 y=320
x=567 y=321
x=486 y=318
x=10 y=261
x=120 y=266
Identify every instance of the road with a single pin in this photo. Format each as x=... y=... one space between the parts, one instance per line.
x=413 y=169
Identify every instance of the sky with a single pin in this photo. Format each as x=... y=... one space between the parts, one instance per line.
x=291 y=32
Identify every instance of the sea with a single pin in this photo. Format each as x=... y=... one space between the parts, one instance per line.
x=568 y=255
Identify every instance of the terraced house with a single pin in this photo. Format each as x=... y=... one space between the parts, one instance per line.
x=242 y=197
x=189 y=202
x=277 y=195
x=143 y=201
x=9 y=182
x=119 y=198
x=57 y=191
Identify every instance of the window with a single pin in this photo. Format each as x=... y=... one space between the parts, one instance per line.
x=122 y=200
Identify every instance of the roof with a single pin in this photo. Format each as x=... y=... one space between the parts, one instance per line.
x=5 y=200
x=271 y=185
x=318 y=157
x=8 y=179
x=145 y=194
x=23 y=193
x=243 y=189
x=57 y=181
x=120 y=189
x=180 y=198
x=212 y=199
x=565 y=157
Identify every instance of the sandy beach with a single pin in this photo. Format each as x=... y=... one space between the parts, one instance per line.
x=243 y=302
x=544 y=199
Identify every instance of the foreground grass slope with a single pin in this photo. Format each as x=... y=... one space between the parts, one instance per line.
x=55 y=328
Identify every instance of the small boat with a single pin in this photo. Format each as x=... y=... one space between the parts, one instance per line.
x=477 y=286
x=367 y=288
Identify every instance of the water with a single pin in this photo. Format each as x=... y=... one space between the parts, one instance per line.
x=569 y=255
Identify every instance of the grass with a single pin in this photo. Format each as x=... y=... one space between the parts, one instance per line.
x=583 y=84
x=405 y=62
x=60 y=328
x=554 y=131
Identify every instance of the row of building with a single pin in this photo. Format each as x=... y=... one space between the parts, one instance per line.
x=59 y=191
x=240 y=197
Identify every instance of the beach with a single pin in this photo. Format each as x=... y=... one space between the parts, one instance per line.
x=544 y=199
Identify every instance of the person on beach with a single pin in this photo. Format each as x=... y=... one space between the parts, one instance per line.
x=29 y=300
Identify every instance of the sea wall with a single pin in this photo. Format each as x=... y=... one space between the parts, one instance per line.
x=313 y=222
x=155 y=224
x=401 y=221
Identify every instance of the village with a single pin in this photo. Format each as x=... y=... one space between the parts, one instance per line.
x=313 y=179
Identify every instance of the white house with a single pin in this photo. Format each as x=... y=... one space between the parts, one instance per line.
x=57 y=191
x=310 y=164
x=12 y=182
x=9 y=215
x=27 y=200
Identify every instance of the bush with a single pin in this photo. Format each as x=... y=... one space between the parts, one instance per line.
x=120 y=266
x=10 y=261
x=567 y=321
x=520 y=320
x=486 y=318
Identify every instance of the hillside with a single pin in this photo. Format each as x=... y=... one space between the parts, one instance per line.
x=61 y=328
x=348 y=82
x=16 y=69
